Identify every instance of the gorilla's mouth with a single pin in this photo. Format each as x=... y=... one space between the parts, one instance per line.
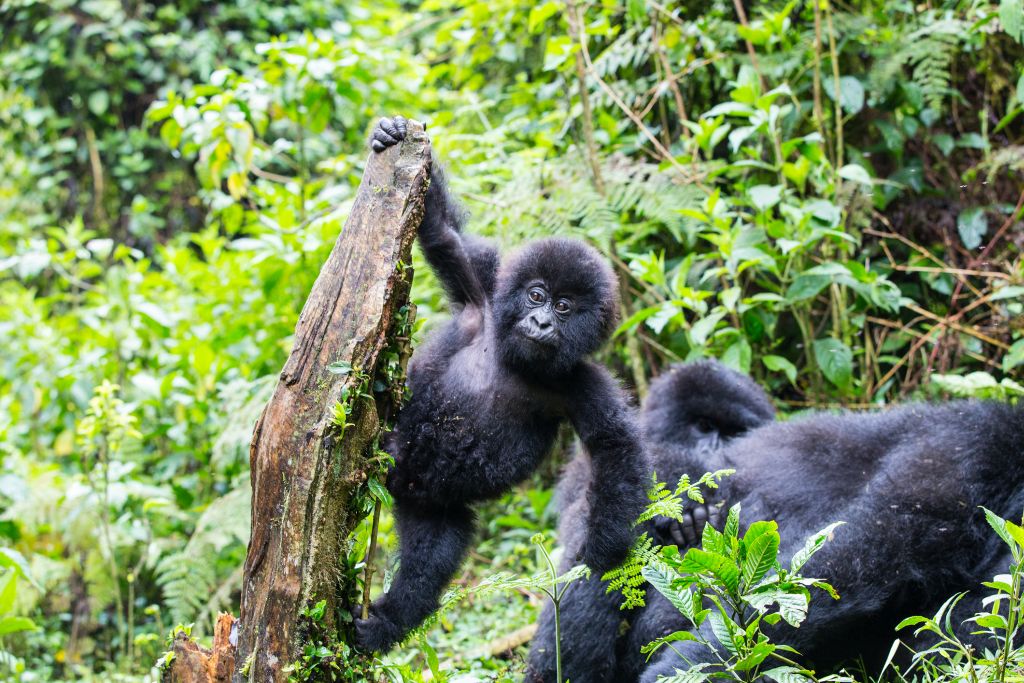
x=540 y=338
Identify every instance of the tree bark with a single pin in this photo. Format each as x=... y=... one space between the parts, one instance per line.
x=304 y=477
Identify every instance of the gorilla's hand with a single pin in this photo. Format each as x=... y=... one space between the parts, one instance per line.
x=687 y=533
x=376 y=633
x=388 y=132
x=606 y=544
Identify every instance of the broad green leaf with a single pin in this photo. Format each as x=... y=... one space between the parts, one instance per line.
x=999 y=524
x=697 y=561
x=835 y=360
x=787 y=674
x=15 y=624
x=972 y=224
x=1015 y=356
x=379 y=492
x=851 y=94
x=991 y=621
x=539 y=14
x=724 y=628
x=8 y=590
x=806 y=286
x=661 y=577
x=780 y=364
x=762 y=546
x=99 y=101
x=702 y=329
x=757 y=654
x=912 y=621
x=675 y=637
x=1009 y=292
x=1016 y=532
x=793 y=608
x=813 y=544
x=732 y=522
x=856 y=173
x=1011 y=16
x=764 y=197
x=694 y=674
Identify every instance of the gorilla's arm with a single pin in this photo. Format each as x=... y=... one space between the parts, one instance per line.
x=590 y=616
x=464 y=266
x=433 y=544
x=616 y=496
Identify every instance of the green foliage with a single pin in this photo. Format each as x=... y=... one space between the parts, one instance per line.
x=735 y=583
x=949 y=658
x=835 y=215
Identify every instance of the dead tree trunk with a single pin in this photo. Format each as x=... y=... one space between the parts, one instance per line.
x=311 y=447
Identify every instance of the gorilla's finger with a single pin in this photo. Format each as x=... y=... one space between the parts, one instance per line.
x=688 y=530
x=700 y=517
x=675 y=530
x=401 y=125
x=377 y=145
x=384 y=137
x=389 y=127
x=714 y=515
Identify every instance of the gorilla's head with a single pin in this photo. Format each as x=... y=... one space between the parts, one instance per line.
x=556 y=302
x=699 y=405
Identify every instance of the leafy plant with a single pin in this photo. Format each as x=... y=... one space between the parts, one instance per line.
x=729 y=589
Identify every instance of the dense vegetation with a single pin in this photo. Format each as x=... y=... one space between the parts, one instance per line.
x=827 y=195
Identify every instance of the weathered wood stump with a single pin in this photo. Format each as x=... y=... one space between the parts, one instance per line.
x=304 y=476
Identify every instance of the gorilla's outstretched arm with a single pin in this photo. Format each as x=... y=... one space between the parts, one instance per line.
x=615 y=495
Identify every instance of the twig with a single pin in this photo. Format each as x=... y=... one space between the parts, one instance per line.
x=951 y=323
x=742 y=14
x=665 y=154
x=368 y=570
x=577 y=32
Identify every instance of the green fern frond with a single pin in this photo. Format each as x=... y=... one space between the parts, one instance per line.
x=627 y=577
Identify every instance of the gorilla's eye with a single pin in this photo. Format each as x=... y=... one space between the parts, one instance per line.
x=563 y=306
x=536 y=295
x=705 y=425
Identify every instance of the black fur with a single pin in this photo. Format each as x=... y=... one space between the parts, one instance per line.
x=684 y=425
x=489 y=391
x=908 y=483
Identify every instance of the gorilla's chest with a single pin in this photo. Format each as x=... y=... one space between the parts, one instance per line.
x=469 y=433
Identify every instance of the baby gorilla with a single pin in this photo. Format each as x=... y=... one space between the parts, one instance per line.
x=489 y=392
x=690 y=413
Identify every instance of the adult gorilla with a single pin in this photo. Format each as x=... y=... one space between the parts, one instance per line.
x=908 y=482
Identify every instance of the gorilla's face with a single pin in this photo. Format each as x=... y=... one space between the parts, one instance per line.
x=555 y=304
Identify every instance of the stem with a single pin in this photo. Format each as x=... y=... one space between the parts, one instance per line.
x=577 y=33
x=368 y=571
x=742 y=14
x=834 y=54
x=111 y=560
x=556 y=600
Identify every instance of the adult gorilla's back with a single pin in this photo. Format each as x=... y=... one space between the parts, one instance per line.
x=908 y=482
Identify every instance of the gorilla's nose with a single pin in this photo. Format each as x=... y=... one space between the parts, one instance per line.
x=540 y=323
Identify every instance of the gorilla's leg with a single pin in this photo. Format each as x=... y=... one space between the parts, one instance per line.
x=589 y=626
x=434 y=542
